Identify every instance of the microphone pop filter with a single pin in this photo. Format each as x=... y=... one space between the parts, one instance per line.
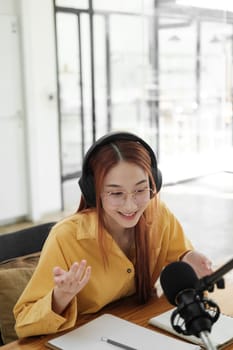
x=176 y=277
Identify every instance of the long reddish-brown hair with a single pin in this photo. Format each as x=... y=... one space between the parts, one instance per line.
x=100 y=163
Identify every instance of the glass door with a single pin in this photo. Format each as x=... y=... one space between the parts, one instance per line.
x=104 y=83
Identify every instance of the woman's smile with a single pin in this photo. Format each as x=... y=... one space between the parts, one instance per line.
x=128 y=216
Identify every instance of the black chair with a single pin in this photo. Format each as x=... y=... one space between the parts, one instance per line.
x=26 y=241
x=23 y=242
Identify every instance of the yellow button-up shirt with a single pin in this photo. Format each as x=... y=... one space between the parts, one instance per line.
x=74 y=239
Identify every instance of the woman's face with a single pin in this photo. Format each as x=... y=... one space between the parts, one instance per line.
x=125 y=195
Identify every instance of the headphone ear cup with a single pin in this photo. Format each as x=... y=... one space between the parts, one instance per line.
x=88 y=189
x=159 y=180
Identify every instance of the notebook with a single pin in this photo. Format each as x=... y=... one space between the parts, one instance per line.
x=128 y=334
x=221 y=333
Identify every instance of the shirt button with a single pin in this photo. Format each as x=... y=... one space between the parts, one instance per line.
x=129 y=270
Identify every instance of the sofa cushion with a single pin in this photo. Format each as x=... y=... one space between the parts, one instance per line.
x=14 y=276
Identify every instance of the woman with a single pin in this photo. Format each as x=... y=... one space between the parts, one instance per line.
x=114 y=246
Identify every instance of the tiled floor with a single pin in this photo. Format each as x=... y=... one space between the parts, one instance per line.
x=20 y=225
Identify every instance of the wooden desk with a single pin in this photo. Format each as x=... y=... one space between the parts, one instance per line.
x=127 y=309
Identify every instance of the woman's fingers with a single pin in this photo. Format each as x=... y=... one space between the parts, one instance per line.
x=78 y=269
x=73 y=280
x=86 y=276
x=57 y=271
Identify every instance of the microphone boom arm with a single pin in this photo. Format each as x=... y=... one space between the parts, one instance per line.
x=207 y=282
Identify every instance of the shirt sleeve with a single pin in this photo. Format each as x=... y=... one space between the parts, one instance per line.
x=33 y=311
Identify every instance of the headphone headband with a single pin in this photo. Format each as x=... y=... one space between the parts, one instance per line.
x=86 y=181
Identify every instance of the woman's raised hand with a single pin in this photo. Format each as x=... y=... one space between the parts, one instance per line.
x=199 y=262
x=68 y=284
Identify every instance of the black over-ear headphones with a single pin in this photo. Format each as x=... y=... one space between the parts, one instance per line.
x=86 y=181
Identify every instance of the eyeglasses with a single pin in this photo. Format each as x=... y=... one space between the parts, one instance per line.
x=118 y=198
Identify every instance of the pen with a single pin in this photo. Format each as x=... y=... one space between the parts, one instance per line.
x=116 y=343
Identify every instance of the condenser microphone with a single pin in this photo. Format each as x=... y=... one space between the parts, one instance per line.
x=195 y=314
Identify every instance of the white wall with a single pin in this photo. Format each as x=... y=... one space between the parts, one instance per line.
x=39 y=66
x=13 y=174
x=7 y=7
x=36 y=25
